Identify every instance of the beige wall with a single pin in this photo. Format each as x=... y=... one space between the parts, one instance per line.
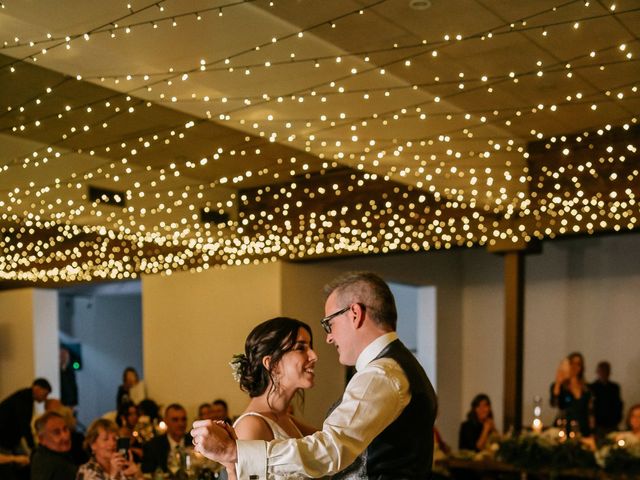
x=45 y=340
x=192 y=324
x=482 y=332
x=28 y=339
x=302 y=298
x=17 y=364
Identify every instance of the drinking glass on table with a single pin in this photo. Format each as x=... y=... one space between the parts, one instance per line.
x=174 y=461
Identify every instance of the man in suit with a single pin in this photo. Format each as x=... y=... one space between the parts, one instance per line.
x=52 y=459
x=68 y=383
x=607 y=404
x=15 y=414
x=156 y=450
x=383 y=426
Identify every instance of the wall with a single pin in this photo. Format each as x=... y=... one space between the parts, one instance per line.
x=194 y=323
x=582 y=295
x=45 y=338
x=17 y=364
x=109 y=329
x=407 y=305
x=417 y=324
x=427 y=331
x=482 y=333
x=303 y=298
x=28 y=349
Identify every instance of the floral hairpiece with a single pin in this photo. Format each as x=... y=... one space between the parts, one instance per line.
x=236 y=365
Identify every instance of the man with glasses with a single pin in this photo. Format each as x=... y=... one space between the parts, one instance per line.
x=383 y=426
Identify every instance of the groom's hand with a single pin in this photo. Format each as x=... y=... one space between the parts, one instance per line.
x=214 y=441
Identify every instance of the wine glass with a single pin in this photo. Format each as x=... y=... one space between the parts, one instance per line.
x=174 y=461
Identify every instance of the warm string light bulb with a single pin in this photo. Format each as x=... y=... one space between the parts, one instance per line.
x=397 y=236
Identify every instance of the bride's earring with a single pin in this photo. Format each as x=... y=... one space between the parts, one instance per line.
x=276 y=383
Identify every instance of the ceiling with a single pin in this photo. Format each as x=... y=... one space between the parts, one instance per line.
x=228 y=133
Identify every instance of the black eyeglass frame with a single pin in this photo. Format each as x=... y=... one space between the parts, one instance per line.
x=325 y=321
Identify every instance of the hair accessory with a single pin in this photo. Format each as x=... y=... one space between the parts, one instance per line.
x=236 y=365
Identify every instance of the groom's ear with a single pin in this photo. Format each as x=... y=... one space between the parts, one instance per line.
x=357 y=315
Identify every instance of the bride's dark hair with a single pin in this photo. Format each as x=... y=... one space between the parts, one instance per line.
x=275 y=337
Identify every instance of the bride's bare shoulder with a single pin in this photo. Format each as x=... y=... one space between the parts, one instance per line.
x=253 y=427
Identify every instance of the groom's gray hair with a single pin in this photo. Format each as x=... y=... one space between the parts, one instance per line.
x=368 y=289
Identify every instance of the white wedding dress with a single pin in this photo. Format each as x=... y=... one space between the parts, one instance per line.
x=277 y=430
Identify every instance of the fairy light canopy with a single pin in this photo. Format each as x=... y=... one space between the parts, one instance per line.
x=151 y=137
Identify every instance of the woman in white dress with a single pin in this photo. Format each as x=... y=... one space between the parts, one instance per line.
x=278 y=364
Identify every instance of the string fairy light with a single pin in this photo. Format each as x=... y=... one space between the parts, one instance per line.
x=294 y=92
x=401 y=193
x=69 y=38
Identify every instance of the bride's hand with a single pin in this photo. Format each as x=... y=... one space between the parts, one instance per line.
x=230 y=467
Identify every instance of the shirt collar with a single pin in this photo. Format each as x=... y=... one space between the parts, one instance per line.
x=173 y=444
x=372 y=350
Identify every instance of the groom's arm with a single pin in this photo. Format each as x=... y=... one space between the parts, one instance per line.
x=374 y=398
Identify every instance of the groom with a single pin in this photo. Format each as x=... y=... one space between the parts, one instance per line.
x=383 y=426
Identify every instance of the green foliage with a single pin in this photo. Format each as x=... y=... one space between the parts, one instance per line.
x=532 y=453
x=621 y=460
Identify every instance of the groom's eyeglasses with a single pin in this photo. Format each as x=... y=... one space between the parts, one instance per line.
x=325 y=322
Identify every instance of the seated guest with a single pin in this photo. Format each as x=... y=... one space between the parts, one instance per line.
x=148 y=419
x=105 y=462
x=52 y=460
x=479 y=426
x=77 y=452
x=607 y=404
x=127 y=420
x=156 y=450
x=204 y=411
x=220 y=411
x=148 y=408
x=633 y=426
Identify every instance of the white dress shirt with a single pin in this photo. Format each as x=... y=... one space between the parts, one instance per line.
x=173 y=444
x=375 y=397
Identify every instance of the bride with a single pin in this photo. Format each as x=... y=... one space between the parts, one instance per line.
x=278 y=363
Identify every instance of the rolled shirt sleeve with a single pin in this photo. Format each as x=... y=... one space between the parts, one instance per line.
x=374 y=398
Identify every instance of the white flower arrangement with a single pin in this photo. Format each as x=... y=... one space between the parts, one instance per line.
x=236 y=365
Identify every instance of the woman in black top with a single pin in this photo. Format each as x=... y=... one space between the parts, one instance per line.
x=475 y=431
x=571 y=395
x=129 y=379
